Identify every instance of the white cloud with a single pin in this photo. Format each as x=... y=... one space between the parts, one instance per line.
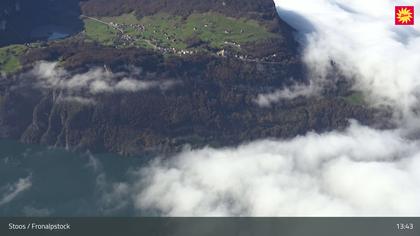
x=135 y=85
x=362 y=40
x=11 y=191
x=357 y=172
x=267 y=99
x=95 y=81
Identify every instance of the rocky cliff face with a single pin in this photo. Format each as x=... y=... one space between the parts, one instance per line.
x=210 y=102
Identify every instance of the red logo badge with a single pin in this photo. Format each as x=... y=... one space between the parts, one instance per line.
x=404 y=15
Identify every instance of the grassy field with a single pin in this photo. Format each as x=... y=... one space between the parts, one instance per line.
x=99 y=32
x=356 y=98
x=9 y=58
x=221 y=29
x=174 y=32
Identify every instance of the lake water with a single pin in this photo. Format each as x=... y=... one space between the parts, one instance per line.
x=41 y=181
x=51 y=32
x=57 y=35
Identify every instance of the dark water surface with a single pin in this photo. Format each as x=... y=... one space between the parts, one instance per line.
x=32 y=20
x=41 y=181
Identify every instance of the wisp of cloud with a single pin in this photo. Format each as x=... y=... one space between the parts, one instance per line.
x=11 y=191
x=84 y=86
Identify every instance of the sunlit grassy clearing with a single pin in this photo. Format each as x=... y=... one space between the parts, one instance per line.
x=9 y=58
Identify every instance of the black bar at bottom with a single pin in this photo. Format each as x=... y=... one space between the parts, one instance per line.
x=211 y=226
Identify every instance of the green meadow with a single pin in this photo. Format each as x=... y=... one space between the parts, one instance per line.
x=170 y=31
x=9 y=58
x=100 y=32
x=356 y=98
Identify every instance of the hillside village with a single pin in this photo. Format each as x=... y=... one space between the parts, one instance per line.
x=127 y=31
x=211 y=33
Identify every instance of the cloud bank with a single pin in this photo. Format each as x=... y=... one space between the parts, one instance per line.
x=357 y=172
x=361 y=39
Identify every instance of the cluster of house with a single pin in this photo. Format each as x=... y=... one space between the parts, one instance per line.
x=126 y=40
x=232 y=44
x=232 y=53
x=181 y=52
x=137 y=27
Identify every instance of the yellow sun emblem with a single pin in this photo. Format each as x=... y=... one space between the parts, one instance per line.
x=404 y=15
